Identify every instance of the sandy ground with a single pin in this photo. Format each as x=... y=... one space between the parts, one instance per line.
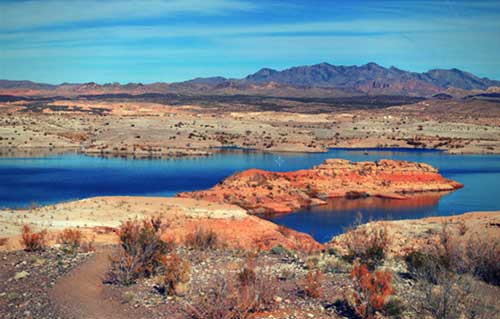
x=99 y=216
x=130 y=128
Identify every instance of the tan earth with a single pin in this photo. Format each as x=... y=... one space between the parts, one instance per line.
x=98 y=217
x=147 y=129
x=410 y=235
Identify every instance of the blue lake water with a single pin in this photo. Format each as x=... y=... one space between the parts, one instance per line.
x=52 y=179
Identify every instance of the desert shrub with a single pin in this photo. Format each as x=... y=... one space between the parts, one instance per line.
x=475 y=256
x=313 y=283
x=202 y=239
x=127 y=297
x=176 y=275
x=442 y=300
x=332 y=251
x=233 y=298
x=141 y=252
x=312 y=262
x=424 y=266
x=367 y=246
x=70 y=240
x=87 y=245
x=393 y=307
x=345 y=309
x=462 y=227
x=335 y=266
x=447 y=251
x=33 y=241
x=284 y=231
x=456 y=296
x=247 y=275
x=370 y=290
x=482 y=259
x=280 y=250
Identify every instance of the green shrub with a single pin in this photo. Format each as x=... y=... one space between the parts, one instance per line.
x=393 y=307
x=332 y=251
x=425 y=266
x=280 y=250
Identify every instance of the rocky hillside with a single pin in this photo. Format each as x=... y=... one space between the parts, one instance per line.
x=260 y=191
x=372 y=77
x=322 y=79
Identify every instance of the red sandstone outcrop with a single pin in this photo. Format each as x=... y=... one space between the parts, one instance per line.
x=261 y=191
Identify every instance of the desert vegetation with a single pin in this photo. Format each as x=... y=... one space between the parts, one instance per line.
x=141 y=254
x=33 y=241
x=198 y=275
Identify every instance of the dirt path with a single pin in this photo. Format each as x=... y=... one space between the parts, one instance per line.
x=82 y=295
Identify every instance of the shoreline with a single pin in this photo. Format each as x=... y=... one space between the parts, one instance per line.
x=9 y=152
x=98 y=217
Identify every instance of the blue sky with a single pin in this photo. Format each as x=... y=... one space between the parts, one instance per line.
x=149 y=41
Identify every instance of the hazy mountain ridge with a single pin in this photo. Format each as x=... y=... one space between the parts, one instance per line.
x=321 y=79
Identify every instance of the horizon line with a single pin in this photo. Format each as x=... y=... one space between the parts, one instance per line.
x=236 y=78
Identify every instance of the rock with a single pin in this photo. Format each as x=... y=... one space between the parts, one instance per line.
x=21 y=275
x=260 y=191
x=181 y=289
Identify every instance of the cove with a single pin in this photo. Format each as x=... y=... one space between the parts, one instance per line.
x=52 y=179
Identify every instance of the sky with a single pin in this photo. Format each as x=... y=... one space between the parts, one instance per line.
x=77 y=41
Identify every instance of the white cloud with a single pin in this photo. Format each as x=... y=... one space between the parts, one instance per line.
x=15 y=15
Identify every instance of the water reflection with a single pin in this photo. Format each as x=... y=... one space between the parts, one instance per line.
x=325 y=221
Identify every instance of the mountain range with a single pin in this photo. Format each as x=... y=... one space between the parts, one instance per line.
x=321 y=79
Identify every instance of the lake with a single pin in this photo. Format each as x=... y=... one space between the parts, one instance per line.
x=52 y=179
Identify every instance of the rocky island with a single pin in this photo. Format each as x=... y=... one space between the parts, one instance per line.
x=260 y=191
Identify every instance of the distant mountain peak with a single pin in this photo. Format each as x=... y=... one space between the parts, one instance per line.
x=325 y=64
x=370 y=78
x=265 y=71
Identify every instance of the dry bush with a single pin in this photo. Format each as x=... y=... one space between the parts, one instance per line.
x=70 y=240
x=141 y=251
x=247 y=275
x=370 y=290
x=285 y=231
x=88 y=245
x=3 y=241
x=367 y=246
x=447 y=288
x=313 y=283
x=202 y=239
x=448 y=251
x=423 y=266
x=477 y=256
x=462 y=227
x=33 y=241
x=238 y=297
x=455 y=296
x=177 y=271
x=482 y=259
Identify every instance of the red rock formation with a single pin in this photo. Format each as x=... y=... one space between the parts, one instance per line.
x=260 y=191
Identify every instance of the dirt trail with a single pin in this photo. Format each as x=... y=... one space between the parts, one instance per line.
x=82 y=295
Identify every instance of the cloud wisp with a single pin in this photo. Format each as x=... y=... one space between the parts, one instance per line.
x=235 y=37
